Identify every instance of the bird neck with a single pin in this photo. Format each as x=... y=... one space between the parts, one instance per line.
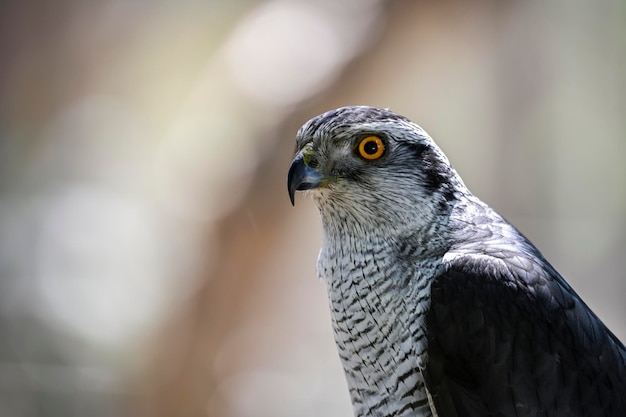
x=378 y=298
x=421 y=235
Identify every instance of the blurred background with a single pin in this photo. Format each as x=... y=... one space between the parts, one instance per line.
x=150 y=262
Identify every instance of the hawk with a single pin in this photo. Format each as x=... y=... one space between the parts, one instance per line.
x=439 y=306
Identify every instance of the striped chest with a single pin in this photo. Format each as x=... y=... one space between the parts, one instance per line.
x=378 y=303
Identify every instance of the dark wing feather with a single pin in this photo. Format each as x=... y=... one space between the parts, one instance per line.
x=510 y=342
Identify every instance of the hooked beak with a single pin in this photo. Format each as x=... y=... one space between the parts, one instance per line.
x=301 y=177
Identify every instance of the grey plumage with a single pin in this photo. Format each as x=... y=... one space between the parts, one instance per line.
x=439 y=306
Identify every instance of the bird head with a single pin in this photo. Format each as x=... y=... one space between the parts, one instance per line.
x=372 y=166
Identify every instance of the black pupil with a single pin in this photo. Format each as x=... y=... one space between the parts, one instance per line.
x=370 y=147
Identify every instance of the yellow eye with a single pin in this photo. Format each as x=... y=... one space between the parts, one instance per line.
x=372 y=147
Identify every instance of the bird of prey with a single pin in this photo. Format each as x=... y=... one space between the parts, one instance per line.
x=439 y=306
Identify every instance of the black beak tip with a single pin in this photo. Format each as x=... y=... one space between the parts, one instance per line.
x=292 y=198
x=301 y=177
x=294 y=177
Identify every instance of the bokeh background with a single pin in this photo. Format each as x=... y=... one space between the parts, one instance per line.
x=150 y=262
